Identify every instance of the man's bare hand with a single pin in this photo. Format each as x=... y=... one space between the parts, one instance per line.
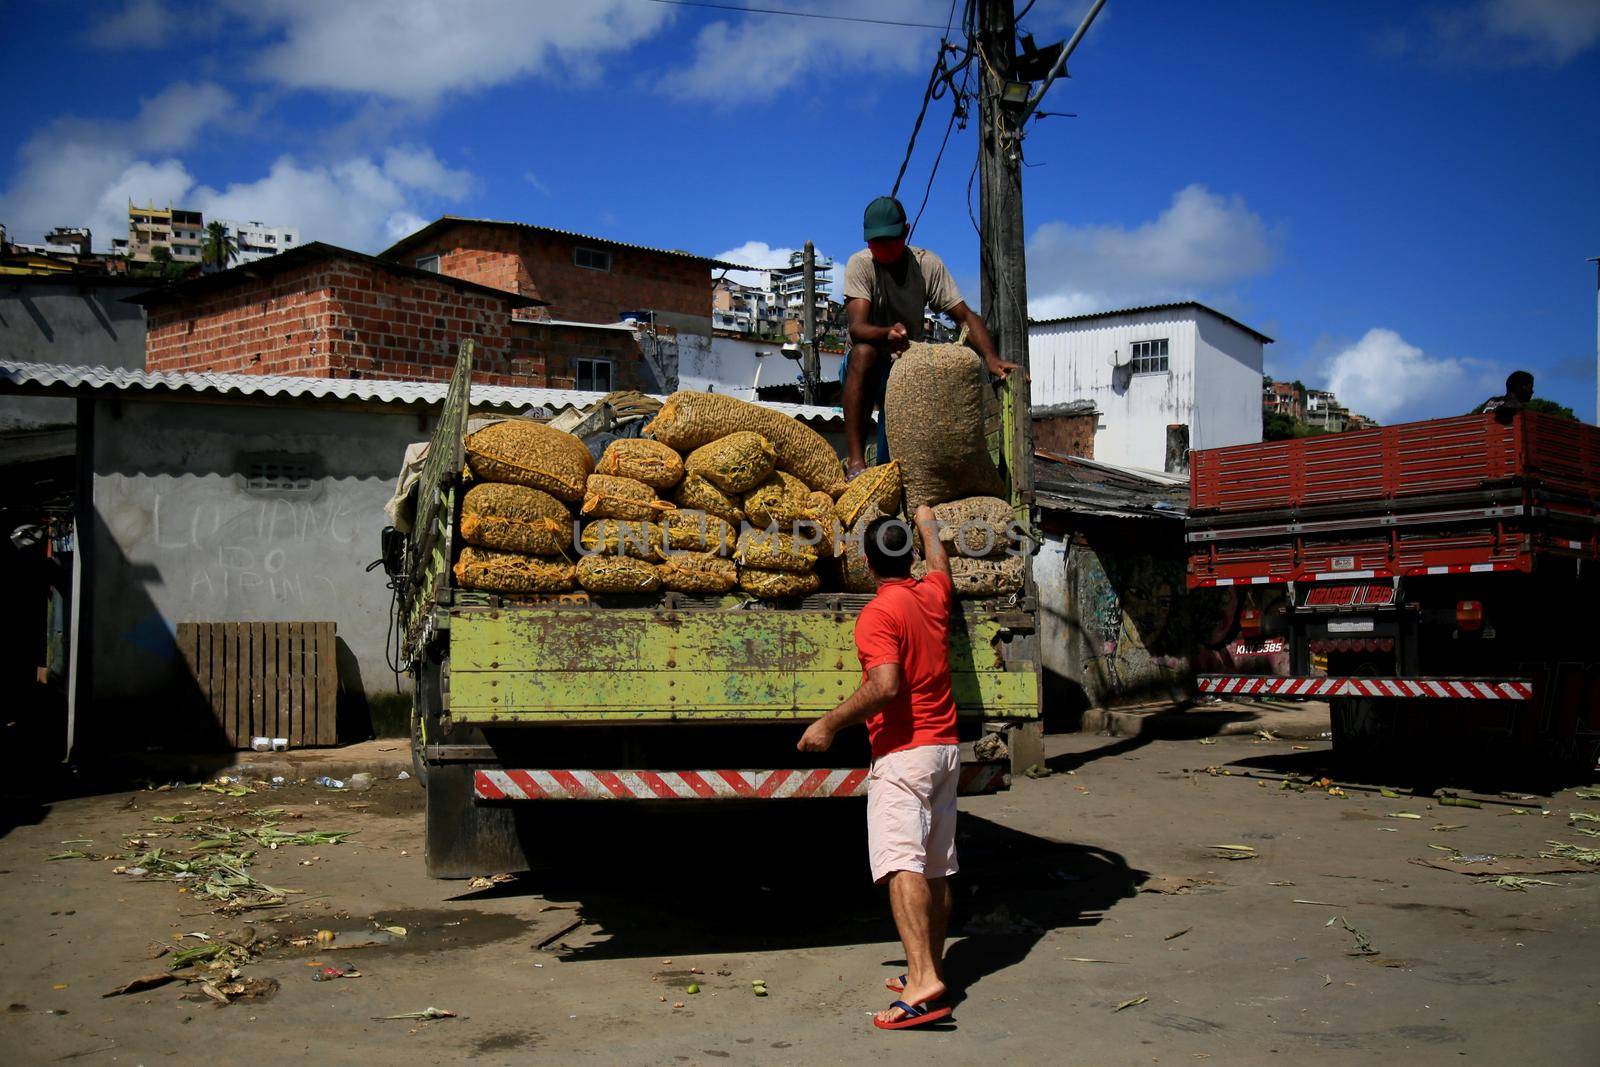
x=817 y=738
x=1001 y=369
x=925 y=514
x=899 y=338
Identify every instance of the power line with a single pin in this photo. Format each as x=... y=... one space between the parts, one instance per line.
x=930 y=94
x=797 y=14
x=957 y=111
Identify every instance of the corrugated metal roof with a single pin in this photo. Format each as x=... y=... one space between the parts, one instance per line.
x=454 y=220
x=49 y=378
x=1182 y=305
x=1108 y=490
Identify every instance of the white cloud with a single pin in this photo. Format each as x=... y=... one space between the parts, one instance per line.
x=140 y=24
x=74 y=172
x=759 y=254
x=755 y=57
x=1383 y=376
x=358 y=203
x=1533 y=31
x=1202 y=240
x=416 y=50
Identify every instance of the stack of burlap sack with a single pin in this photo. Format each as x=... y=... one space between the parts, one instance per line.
x=721 y=494
x=934 y=408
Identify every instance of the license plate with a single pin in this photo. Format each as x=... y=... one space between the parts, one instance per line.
x=1349 y=626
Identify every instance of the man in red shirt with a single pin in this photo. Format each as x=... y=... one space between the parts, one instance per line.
x=903 y=642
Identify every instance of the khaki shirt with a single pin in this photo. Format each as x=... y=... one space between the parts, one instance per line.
x=928 y=285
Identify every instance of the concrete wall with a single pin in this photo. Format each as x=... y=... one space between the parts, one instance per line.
x=1227 y=383
x=67 y=324
x=177 y=537
x=1072 y=361
x=730 y=364
x=1117 y=623
x=1213 y=382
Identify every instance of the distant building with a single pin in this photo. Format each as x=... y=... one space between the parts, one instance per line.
x=789 y=286
x=1284 y=398
x=744 y=309
x=1171 y=372
x=256 y=240
x=1325 y=413
x=180 y=232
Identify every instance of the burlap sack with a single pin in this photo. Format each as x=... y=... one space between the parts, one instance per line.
x=776 y=585
x=697 y=494
x=522 y=452
x=976 y=526
x=877 y=487
x=617 y=574
x=779 y=501
x=735 y=463
x=609 y=497
x=698 y=572
x=934 y=408
x=509 y=572
x=515 y=518
x=821 y=525
x=651 y=462
x=688 y=420
x=981 y=577
x=618 y=537
x=773 y=551
x=695 y=531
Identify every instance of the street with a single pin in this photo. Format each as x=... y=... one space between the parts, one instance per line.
x=1151 y=901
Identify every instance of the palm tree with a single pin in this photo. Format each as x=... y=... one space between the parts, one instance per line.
x=220 y=248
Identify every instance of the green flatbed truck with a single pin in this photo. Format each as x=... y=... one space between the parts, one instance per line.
x=667 y=698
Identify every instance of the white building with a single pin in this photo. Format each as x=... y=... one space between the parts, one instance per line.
x=1150 y=368
x=257 y=240
x=737 y=367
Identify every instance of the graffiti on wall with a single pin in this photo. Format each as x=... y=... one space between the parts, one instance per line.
x=266 y=550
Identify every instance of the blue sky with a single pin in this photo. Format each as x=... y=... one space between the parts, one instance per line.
x=1403 y=195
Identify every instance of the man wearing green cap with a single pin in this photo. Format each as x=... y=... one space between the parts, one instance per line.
x=887 y=288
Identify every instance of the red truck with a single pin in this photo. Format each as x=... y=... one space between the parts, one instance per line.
x=1438 y=582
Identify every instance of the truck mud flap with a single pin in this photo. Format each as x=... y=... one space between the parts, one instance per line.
x=465 y=839
x=977 y=778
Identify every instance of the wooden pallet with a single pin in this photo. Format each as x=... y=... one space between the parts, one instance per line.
x=265 y=679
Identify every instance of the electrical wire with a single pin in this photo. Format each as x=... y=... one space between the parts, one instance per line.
x=957 y=112
x=796 y=14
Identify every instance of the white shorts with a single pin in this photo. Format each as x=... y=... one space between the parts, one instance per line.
x=911 y=811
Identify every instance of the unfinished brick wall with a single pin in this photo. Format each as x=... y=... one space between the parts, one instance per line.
x=1066 y=435
x=541 y=265
x=352 y=319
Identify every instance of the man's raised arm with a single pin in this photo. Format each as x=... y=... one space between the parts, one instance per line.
x=933 y=551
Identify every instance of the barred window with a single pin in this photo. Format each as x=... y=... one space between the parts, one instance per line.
x=593 y=375
x=1150 y=357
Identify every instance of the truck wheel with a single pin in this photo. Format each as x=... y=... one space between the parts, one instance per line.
x=419 y=766
x=1358 y=731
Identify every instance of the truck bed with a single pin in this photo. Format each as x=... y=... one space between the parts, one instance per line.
x=1449 y=496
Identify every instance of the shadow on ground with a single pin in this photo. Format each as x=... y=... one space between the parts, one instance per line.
x=1421 y=772
x=696 y=884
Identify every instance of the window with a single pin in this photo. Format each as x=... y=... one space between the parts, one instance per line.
x=281 y=473
x=591 y=259
x=428 y=263
x=593 y=375
x=1150 y=357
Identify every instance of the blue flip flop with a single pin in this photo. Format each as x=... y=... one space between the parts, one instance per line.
x=915 y=1015
x=895 y=985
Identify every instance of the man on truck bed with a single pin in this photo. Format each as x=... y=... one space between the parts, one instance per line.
x=1519 y=390
x=903 y=642
x=887 y=287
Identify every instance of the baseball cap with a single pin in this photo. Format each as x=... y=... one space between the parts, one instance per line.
x=884 y=218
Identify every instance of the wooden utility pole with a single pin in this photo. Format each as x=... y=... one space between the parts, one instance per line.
x=1003 y=269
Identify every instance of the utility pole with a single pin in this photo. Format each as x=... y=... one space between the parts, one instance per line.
x=1002 y=256
x=809 y=372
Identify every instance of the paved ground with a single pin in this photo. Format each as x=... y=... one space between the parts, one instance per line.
x=1058 y=929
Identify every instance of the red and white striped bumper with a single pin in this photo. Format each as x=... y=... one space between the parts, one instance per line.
x=1432 y=688
x=976 y=778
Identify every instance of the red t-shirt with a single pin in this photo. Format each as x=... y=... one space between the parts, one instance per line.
x=908 y=623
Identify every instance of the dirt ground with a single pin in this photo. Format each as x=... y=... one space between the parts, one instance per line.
x=1324 y=942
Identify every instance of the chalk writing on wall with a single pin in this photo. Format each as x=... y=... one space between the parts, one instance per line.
x=259 y=552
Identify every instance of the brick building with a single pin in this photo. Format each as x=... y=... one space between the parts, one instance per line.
x=328 y=312
x=579 y=278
